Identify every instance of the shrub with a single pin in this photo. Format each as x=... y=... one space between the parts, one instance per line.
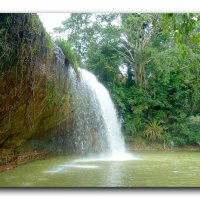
x=153 y=130
x=69 y=53
x=180 y=141
x=192 y=133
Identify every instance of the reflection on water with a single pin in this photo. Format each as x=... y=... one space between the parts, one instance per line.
x=62 y=168
x=150 y=169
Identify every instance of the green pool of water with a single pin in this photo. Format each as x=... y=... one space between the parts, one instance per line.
x=148 y=169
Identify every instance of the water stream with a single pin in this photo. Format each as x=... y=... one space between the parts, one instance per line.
x=96 y=128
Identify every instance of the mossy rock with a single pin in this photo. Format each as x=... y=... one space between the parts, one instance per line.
x=29 y=80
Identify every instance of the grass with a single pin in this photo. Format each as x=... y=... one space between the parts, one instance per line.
x=68 y=52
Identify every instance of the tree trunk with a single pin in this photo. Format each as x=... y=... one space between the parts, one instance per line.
x=139 y=74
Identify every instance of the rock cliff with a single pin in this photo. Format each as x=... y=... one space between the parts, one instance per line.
x=35 y=111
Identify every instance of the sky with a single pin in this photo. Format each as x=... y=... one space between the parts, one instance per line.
x=52 y=20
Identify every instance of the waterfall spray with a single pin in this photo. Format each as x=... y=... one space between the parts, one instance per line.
x=96 y=126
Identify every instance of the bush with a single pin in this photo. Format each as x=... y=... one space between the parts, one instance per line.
x=179 y=141
x=153 y=130
x=193 y=130
x=69 y=53
x=187 y=131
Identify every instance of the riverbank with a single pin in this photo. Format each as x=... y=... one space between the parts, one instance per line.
x=11 y=161
x=158 y=147
x=8 y=162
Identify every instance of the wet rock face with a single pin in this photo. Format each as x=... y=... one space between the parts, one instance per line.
x=34 y=93
x=21 y=35
x=59 y=57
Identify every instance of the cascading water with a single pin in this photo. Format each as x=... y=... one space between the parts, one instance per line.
x=96 y=126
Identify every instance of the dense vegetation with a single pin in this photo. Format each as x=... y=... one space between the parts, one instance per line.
x=150 y=64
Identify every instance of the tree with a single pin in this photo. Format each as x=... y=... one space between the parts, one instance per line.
x=127 y=34
x=161 y=55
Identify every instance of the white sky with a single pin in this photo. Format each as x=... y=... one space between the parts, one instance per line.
x=52 y=20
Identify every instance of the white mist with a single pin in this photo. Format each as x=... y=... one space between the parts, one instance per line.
x=88 y=90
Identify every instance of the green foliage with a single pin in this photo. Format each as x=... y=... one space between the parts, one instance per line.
x=162 y=82
x=68 y=52
x=153 y=130
x=103 y=61
x=182 y=28
x=191 y=131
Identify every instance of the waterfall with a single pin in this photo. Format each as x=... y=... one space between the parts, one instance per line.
x=96 y=125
